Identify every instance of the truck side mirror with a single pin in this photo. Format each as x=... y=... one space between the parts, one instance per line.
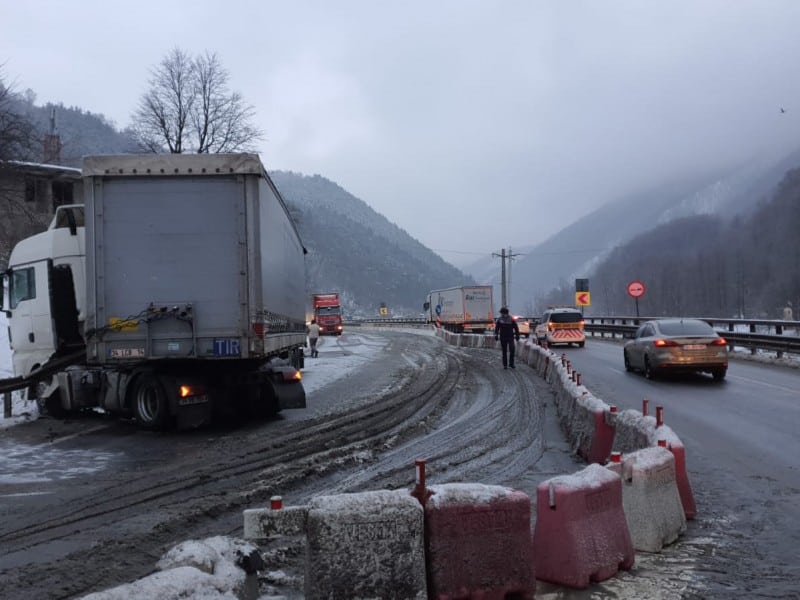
x=426 y=306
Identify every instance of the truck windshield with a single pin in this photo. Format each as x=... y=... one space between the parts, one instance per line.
x=328 y=310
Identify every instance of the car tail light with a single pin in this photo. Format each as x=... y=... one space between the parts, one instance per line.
x=664 y=343
x=719 y=342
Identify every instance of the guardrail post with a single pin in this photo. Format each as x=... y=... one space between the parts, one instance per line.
x=7 y=405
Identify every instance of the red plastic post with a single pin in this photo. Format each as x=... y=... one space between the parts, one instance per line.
x=420 y=492
x=276 y=503
x=659 y=416
x=645 y=404
x=662 y=443
x=563 y=359
x=612 y=409
x=578 y=380
x=616 y=457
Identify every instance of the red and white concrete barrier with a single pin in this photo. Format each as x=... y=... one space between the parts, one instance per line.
x=478 y=542
x=581 y=534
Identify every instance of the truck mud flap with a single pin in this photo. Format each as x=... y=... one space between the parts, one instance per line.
x=289 y=394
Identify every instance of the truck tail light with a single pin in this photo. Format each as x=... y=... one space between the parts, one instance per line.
x=292 y=375
x=186 y=391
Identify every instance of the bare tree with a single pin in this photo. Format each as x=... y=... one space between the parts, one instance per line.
x=17 y=133
x=18 y=142
x=189 y=108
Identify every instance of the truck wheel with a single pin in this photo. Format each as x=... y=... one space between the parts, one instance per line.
x=54 y=408
x=150 y=402
x=267 y=402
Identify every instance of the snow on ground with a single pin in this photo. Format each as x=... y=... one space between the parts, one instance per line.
x=198 y=569
x=207 y=569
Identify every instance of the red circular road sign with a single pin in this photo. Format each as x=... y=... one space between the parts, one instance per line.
x=636 y=289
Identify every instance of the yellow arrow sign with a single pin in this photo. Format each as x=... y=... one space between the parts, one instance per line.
x=583 y=299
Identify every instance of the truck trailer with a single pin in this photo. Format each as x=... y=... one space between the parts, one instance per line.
x=175 y=293
x=328 y=313
x=467 y=309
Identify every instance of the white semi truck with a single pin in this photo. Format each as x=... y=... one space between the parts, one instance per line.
x=174 y=293
x=468 y=309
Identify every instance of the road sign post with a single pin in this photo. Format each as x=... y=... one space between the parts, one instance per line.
x=636 y=290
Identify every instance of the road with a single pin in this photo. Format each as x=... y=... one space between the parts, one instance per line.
x=742 y=444
x=92 y=503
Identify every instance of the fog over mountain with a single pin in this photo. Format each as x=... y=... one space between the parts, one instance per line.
x=371 y=261
x=577 y=247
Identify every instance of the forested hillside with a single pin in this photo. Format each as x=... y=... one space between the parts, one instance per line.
x=708 y=266
x=359 y=253
x=81 y=132
x=352 y=249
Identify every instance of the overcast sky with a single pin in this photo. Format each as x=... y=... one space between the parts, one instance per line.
x=466 y=123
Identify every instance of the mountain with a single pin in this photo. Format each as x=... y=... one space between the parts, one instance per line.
x=359 y=253
x=81 y=132
x=351 y=249
x=545 y=273
x=712 y=265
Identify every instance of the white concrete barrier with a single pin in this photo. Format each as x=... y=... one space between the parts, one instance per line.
x=365 y=545
x=650 y=498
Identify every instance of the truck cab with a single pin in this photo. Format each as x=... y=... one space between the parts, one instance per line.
x=328 y=313
x=46 y=301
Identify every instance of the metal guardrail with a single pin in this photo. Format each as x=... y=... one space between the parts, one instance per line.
x=753 y=334
x=758 y=334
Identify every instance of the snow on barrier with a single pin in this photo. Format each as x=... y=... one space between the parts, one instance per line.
x=264 y=523
x=478 y=542
x=653 y=508
x=365 y=545
x=635 y=431
x=581 y=534
x=583 y=419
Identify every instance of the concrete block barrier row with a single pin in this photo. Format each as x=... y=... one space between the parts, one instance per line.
x=652 y=475
x=472 y=540
x=462 y=541
x=594 y=428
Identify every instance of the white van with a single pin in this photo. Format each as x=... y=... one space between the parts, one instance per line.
x=561 y=326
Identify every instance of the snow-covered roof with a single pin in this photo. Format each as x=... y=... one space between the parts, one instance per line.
x=43 y=168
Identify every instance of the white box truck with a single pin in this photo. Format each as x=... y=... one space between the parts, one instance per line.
x=467 y=309
x=175 y=292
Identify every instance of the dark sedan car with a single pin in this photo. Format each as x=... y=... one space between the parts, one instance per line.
x=677 y=345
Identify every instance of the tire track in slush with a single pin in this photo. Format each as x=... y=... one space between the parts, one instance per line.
x=180 y=501
x=491 y=431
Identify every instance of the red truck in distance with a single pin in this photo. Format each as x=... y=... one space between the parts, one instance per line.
x=328 y=313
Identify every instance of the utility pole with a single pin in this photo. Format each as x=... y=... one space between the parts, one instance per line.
x=502 y=256
x=505 y=282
